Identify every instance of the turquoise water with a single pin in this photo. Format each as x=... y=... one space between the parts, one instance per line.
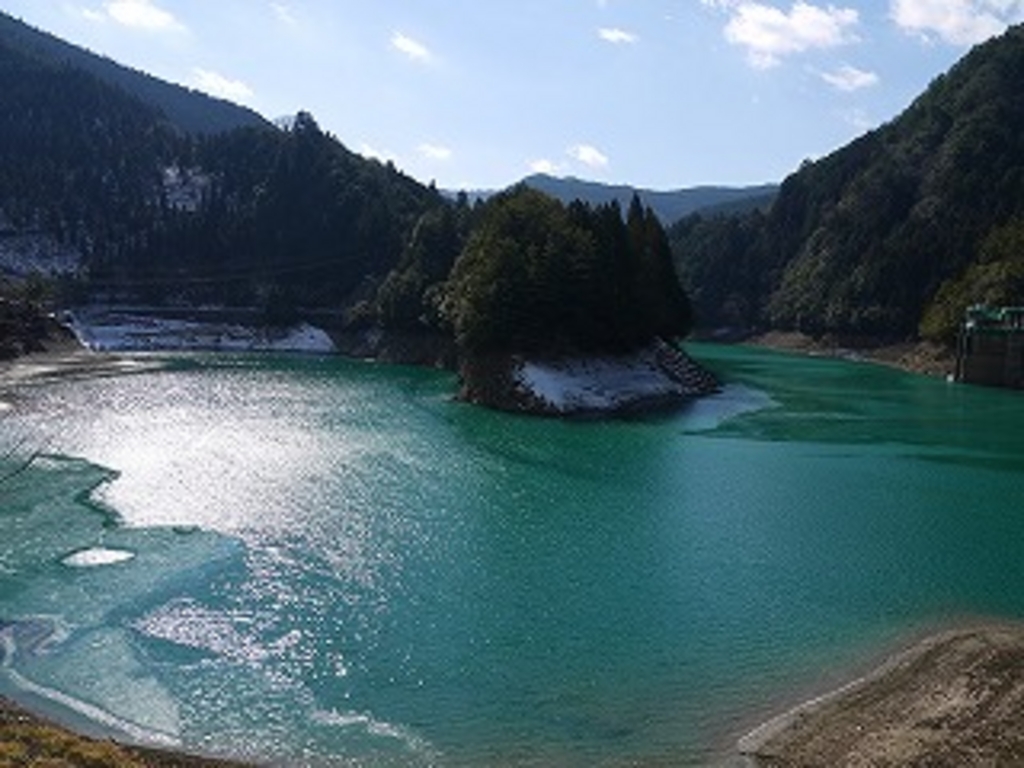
x=327 y=562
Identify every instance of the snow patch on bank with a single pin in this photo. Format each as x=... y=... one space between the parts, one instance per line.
x=103 y=330
x=658 y=373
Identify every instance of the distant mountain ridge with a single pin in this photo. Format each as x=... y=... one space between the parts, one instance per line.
x=188 y=110
x=668 y=205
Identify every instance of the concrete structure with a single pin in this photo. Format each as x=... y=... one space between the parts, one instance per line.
x=990 y=349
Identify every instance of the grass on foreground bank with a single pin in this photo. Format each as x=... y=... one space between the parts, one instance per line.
x=27 y=741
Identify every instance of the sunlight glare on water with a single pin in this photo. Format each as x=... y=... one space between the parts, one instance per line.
x=303 y=560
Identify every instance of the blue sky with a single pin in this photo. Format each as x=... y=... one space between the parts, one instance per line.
x=479 y=93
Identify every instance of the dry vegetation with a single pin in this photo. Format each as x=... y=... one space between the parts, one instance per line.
x=27 y=741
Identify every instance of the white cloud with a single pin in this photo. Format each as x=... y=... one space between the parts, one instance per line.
x=410 y=47
x=284 y=14
x=848 y=78
x=434 y=152
x=142 y=14
x=589 y=155
x=216 y=84
x=617 y=36
x=544 y=165
x=769 y=33
x=958 y=22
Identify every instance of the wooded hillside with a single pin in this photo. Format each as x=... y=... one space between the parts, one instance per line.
x=290 y=222
x=892 y=235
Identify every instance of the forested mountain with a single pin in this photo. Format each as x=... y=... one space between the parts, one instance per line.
x=279 y=219
x=254 y=216
x=187 y=110
x=78 y=159
x=289 y=222
x=668 y=205
x=892 y=235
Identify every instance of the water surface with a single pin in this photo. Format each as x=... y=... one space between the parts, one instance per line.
x=328 y=562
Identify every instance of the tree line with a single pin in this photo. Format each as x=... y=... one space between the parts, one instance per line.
x=535 y=275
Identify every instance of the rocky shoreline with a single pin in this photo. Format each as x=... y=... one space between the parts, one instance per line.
x=25 y=329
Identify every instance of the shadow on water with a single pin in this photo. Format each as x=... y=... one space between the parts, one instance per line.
x=820 y=402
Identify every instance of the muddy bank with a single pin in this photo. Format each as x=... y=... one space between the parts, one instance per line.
x=913 y=356
x=953 y=699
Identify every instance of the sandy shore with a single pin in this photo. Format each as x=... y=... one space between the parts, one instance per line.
x=954 y=699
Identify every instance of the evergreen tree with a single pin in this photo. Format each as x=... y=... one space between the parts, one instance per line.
x=538 y=277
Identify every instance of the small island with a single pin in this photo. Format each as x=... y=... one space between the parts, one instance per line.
x=561 y=310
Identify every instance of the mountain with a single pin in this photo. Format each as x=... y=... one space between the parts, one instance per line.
x=253 y=216
x=283 y=223
x=188 y=110
x=892 y=235
x=669 y=206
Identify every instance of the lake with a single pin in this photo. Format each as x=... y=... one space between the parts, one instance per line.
x=319 y=561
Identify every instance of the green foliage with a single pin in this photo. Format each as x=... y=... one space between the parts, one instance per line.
x=995 y=279
x=537 y=276
x=291 y=209
x=408 y=298
x=77 y=158
x=861 y=241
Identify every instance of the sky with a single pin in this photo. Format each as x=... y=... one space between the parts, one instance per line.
x=477 y=94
